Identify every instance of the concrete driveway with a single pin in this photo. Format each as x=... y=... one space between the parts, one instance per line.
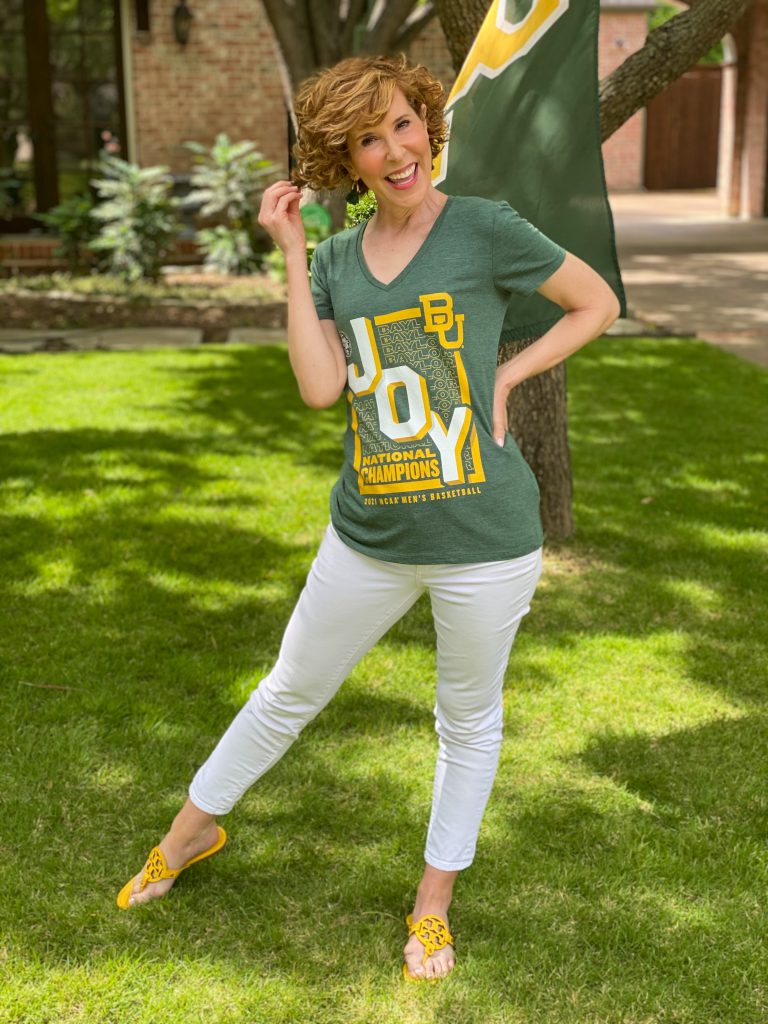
x=690 y=270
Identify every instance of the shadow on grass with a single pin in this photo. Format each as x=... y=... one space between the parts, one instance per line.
x=652 y=909
x=650 y=903
x=251 y=394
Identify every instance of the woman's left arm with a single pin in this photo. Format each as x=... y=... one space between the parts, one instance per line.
x=590 y=308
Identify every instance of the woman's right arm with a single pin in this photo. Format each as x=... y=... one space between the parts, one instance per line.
x=314 y=346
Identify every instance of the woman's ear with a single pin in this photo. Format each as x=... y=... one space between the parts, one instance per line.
x=423 y=112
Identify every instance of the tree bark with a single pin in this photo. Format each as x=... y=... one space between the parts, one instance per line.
x=538 y=421
x=461 y=21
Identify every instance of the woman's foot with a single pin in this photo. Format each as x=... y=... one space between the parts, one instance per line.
x=433 y=897
x=176 y=854
x=442 y=962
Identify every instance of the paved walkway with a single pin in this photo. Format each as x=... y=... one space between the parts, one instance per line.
x=687 y=269
x=14 y=341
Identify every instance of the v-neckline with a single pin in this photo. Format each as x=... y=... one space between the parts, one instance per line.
x=419 y=252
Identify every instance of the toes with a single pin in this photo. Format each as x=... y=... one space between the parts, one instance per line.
x=415 y=966
x=133 y=899
x=441 y=966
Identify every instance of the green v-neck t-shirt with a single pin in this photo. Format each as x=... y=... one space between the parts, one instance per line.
x=423 y=480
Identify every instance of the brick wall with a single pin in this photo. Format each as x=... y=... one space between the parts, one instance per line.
x=623 y=33
x=754 y=138
x=224 y=80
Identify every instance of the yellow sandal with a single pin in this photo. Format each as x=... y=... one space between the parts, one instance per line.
x=432 y=931
x=156 y=868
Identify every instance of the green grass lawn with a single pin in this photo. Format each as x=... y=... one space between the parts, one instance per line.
x=159 y=513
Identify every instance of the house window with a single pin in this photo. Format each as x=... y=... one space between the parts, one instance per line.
x=61 y=101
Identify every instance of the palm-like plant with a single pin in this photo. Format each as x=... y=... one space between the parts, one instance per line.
x=139 y=217
x=229 y=178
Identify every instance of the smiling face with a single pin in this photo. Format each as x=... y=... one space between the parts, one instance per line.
x=394 y=157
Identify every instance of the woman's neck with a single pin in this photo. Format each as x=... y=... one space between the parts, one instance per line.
x=397 y=220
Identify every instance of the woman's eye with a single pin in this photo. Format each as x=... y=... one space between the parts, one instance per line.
x=404 y=121
x=366 y=140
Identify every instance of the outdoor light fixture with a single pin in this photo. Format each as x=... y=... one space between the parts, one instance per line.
x=182 y=22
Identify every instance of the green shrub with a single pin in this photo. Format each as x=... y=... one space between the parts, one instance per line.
x=228 y=250
x=361 y=210
x=139 y=217
x=229 y=179
x=74 y=223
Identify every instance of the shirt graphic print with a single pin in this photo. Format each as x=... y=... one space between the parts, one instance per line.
x=423 y=479
x=411 y=438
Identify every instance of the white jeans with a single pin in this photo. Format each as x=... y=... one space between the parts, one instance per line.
x=348 y=603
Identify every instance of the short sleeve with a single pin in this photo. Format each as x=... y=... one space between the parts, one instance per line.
x=523 y=258
x=319 y=284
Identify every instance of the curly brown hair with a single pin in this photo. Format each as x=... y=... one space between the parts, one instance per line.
x=357 y=93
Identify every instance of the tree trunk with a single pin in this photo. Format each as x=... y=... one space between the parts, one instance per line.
x=539 y=424
x=461 y=21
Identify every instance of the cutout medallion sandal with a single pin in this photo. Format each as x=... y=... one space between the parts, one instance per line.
x=156 y=868
x=432 y=931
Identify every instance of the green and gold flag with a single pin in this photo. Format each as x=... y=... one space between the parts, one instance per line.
x=524 y=126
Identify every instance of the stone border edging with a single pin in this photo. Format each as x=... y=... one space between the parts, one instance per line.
x=67 y=311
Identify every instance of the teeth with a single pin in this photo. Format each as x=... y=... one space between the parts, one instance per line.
x=403 y=174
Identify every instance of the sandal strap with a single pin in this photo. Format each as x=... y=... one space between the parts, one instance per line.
x=432 y=932
x=156 y=868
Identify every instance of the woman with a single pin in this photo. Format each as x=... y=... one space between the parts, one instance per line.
x=404 y=313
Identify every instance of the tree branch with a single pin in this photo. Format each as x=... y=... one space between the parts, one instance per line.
x=325 y=29
x=354 y=17
x=414 y=25
x=383 y=31
x=669 y=51
x=291 y=27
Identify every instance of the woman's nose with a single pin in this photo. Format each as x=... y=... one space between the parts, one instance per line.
x=395 y=149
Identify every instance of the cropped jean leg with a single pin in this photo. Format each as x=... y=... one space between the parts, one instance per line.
x=348 y=603
x=477 y=609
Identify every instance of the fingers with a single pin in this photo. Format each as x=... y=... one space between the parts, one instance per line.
x=499 y=429
x=279 y=216
x=500 y=422
x=276 y=201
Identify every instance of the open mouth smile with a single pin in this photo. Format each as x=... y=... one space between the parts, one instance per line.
x=404 y=179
